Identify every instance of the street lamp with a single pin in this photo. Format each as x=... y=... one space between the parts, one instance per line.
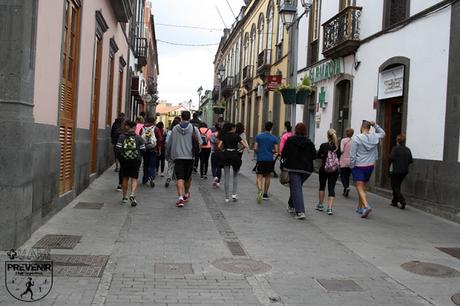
x=288 y=12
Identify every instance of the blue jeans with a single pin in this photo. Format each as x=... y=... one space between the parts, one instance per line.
x=149 y=166
x=296 y=180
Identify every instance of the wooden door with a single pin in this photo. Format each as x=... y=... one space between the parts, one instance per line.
x=68 y=87
x=95 y=105
x=110 y=91
x=120 y=91
x=393 y=111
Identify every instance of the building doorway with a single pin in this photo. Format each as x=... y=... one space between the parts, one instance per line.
x=248 y=118
x=95 y=104
x=342 y=107
x=309 y=112
x=393 y=118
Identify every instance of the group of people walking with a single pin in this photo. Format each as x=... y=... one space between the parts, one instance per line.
x=189 y=144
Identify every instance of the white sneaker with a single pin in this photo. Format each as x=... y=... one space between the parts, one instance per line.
x=290 y=209
x=217 y=185
x=227 y=200
x=300 y=216
x=234 y=197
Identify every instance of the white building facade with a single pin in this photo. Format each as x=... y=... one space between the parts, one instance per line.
x=393 y=62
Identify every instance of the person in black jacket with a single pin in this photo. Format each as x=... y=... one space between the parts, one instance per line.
x=297 y=156
x=115 y=133
x=400 y=159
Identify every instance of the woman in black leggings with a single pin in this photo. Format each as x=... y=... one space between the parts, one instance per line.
x=329 y=170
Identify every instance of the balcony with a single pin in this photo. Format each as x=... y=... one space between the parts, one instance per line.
x=122 y=10
x=227 y=86
x=140 y=51
x=264 y=60
x=215 y=93
x=247 y=74
x=341 y=33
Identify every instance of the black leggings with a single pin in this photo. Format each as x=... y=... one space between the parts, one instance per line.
x=161 y=162
x=204 y=160
x=330 y=178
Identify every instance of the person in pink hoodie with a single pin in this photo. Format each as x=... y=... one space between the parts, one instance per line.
x=285 y=136
x=345 y=170
x=139 y=125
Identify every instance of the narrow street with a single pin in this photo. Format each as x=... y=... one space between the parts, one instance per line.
x=212 y=252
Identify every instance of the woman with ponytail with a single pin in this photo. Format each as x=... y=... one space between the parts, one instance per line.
x=329 y=171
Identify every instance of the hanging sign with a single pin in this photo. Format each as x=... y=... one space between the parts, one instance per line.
x=326 y=70
x=391 y=83
x=273 y=81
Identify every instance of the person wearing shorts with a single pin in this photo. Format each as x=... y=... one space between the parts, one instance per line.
x=364 y=153
x=130 y=156
x=266 y=145
x=180 y=148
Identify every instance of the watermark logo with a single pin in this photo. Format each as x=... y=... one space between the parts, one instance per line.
x=28 y=275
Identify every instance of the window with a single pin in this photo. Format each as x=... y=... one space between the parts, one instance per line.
x=269 y=29
x=279 y=39
x=253 y=47
x=395 y=11
x=260 y=46
x=246 y=50
x=314 y=30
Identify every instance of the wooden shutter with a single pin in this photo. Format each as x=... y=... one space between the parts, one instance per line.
x=67 y=95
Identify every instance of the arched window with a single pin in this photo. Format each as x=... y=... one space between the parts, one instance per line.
x=270 y=25
x=253 y=47
x=246 y=50
x=260 y=43
x=279 y=39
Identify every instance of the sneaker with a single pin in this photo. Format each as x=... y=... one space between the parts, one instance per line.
x=265 y=196
x=329 y=211
x=227 y=200
x=259 y=197
x=394 y=204
x=215 y=181
x=366 y=212
x=346 y=192
x=205 y=177
x=290 y=209
x=234 y=197
x=119 y=188
x=403 y=205
x=124 y=200
x=359 y=210
x=217 y=185
x=299 y=216
x=167 y=183
x=132 y=198
x=180 y=202
x=187 y=197
x=201 y=177
x=162 y=174
x=319 y=207
x=152 y=183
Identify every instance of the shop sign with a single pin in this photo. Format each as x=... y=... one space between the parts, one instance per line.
x=326 y=70
x=322 y=99
x=391 y=83
x=273 y=81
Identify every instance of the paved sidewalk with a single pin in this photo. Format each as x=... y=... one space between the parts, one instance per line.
x=162 y=255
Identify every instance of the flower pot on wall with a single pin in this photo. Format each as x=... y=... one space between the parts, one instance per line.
x=301 y=96
x=289 y=95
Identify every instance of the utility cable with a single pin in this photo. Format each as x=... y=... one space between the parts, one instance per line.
x=186 y=45
x=186 y=26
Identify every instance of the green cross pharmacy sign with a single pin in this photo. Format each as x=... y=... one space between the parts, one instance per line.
x=322 y=98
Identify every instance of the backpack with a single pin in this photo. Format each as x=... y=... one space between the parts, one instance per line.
x=195 y=143
x=332 y=162
x=204 y=138
x=149 y=136
x=130 y=151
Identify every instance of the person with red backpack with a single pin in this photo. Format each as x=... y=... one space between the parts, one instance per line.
x=329 y=171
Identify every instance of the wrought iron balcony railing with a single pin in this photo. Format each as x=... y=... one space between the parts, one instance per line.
x=341 y=33
x=237 y=80
x=264 y=60
x=227 y=86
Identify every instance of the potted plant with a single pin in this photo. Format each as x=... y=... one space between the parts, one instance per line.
x=303 y=91
x=219 y=108
x=288 y=92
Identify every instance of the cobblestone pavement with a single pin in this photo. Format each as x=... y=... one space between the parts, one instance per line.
x=216 y=253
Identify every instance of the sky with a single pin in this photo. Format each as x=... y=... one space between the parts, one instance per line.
x=184 y=69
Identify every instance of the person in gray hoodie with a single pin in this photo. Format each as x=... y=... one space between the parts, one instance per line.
x=181 y=147
x=364 y=153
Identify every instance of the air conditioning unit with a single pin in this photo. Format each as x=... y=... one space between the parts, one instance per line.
x=260 y=90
